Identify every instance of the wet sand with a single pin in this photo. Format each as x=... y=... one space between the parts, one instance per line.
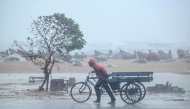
x=112 y=65
x=18 y=86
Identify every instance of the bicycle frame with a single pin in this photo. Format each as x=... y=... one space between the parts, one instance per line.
x=87 y=82
x=102 y=90
x=88 y=79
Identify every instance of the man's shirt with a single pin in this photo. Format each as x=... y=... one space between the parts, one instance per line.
x=101 y=73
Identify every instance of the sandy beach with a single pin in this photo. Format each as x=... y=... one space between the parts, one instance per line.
x=112 y=65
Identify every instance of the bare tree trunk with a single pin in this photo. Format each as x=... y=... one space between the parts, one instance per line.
x=41 y=87
x=47 y=82
x=46 y=77
x=47 y=72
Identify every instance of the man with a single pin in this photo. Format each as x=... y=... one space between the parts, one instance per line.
x=102 y=75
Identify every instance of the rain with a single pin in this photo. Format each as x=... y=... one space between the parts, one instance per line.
x=122 y=36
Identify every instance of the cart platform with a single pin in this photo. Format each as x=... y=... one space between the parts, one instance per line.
x=130 y=77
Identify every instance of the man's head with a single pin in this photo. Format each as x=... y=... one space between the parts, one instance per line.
x=91 y=62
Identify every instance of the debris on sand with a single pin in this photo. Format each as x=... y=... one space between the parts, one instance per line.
x=168 y=60
x=140 y=61
x=187 y=60
x=76 y=62
x=178 y=99
x=111 y=65
x=160 y=88
x=1 y=59
x=13 y=58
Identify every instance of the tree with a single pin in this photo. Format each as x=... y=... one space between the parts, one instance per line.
x=51 y=34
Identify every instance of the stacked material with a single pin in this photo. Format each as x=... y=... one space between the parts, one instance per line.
x=160 y=88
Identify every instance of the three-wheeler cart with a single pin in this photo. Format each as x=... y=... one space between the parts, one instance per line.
x=131 y=92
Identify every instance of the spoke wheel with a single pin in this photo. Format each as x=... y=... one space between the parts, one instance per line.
x=130 y=93
x=80 y=92
x=143 y=90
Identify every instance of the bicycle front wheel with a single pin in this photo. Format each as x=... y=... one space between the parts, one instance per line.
x=80 y=92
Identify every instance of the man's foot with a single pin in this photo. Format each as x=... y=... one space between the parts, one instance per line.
x=112 y=102
x=97 y=101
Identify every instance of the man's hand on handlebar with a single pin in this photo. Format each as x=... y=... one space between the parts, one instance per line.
x=92 y=71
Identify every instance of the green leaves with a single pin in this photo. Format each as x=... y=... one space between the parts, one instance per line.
x=54 y=33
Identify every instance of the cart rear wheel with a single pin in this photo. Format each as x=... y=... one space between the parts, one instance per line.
x=130 y=93
x=80 y=92
x=143 y=89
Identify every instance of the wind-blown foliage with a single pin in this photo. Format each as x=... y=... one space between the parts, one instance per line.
x=51 y=34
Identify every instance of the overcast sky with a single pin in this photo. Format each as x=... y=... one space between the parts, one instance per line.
x=102 y=21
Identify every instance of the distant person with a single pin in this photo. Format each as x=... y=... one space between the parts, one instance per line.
x=102 y=75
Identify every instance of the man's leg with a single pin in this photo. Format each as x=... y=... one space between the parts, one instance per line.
x=107 y=88
x=97 y=90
